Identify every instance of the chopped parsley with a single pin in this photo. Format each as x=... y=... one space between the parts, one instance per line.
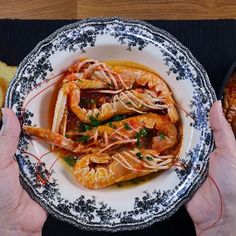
x=67 y=135
x=70 y=160
x=127 y=127
x=139 y=155
x=110 y=84
x=92 y=101
x=83 y=139
x=149 y=158
x=118 y=118
x=128 y=103
x=162 y=136
x=94 y=122
x=142 y=133
x=85 y=127
x=111 y=125
x=87 y=102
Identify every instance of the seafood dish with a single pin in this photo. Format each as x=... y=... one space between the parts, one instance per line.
x=229 y=101
x=117 y=122
x=120 y=139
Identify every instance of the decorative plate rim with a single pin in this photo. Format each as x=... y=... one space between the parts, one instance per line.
x=188 y=194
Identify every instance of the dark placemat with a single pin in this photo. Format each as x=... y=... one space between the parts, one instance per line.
x=213 y=43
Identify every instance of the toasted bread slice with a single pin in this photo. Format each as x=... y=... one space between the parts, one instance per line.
x=6 y=75
x=7 y=72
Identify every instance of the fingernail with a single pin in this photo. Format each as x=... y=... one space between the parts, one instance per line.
x=4 y=122
x=219 y=107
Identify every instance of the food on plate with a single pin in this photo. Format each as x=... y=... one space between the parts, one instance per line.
x=6 y=75
x=118 y=122
x=229 y=101
x=7 y=72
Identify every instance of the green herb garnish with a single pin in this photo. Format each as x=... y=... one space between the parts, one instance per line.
x=70 y=160
x=92 y=101
x=110 y=84
x=94 y=122
x=127 y=127
x=67 y=135
x=118 y=118
x=111 y=125
x=139 y=155
x=128 y=103
x=162 y=136
x=142 y=133
x=83 y=102
x=83 y=139
x=85 y=127
x=87 y=101
x=149 y=158
x=139 y=145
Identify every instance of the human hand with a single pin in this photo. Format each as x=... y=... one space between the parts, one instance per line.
x=19 y=214
x=213 y=210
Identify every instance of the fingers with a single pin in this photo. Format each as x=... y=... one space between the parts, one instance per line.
x=9 y=136
x=223 y=134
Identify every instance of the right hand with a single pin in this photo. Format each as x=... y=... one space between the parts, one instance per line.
x=205 y=206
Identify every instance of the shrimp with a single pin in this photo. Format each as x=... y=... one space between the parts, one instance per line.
x=79 y=77
x=125 y=102
x=136 y=77
x=109 y=151
x=131 y=130
x=134 y=90
x=97 y=171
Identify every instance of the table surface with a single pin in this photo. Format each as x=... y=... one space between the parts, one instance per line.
x=138 y=9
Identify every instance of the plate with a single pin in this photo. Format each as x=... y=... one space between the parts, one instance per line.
x=31 y=95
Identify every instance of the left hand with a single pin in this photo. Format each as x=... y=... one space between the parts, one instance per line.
x=19 y=214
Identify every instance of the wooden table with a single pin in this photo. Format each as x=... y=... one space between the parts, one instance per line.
x=139 y=9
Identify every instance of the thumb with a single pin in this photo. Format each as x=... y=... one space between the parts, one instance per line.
x=223 y=134
x=9 y=136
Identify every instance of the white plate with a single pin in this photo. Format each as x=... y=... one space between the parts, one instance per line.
x=113 y=208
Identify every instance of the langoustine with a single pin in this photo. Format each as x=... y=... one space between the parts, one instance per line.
x=119 y=150
x=134 y=90
x=164 y=134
